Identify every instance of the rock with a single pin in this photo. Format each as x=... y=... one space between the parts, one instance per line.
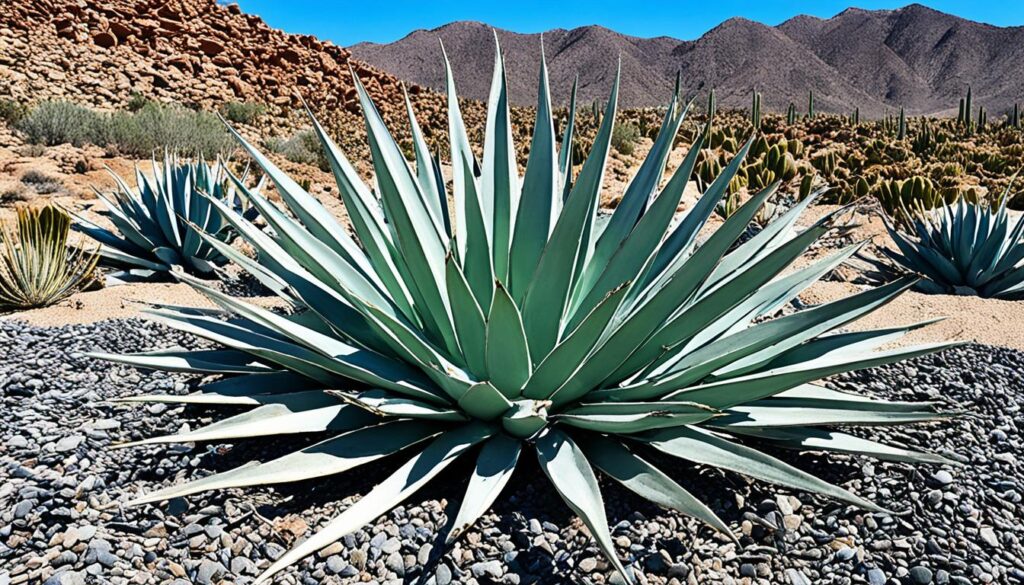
x=921 y=575
x=105 y=39
x=989 y=536
x=876 y=577
x=942 y=478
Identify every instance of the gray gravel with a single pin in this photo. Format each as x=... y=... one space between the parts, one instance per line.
x=61 y=486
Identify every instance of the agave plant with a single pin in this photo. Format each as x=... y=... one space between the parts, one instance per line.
x=520 y=326
x=37 y=267
x=160 y=221
x=965 y=247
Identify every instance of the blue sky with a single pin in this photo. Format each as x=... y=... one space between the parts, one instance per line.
x=346 y=23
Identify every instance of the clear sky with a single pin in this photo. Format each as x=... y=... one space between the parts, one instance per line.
x=347 y=23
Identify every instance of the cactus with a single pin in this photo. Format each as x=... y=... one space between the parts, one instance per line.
x=1015 y=116
x=856 y=116
x=755 y=111
x=901 y=133
x=982 y=118
x=810 y=104
x=806 y=184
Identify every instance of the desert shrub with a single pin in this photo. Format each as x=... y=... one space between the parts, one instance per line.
x=42 y=183
x=303 y=147
x=243 y=112
x=159 y=126
x=137 y=101
x=625 y=137
x=152 y=127
x=11 y=111
x=58 y=122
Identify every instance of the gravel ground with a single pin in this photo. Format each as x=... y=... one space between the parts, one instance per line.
x=61 y=486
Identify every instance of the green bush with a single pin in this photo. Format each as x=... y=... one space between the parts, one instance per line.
x=303 y=147
x=137 y=101
x=57 y=122
x=243 y=112
x=11 y=111
x=625 y=137
x=153 y=127
x=158 y=126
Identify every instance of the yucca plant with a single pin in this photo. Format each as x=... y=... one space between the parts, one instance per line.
x=158 y=223
x=519 y=325
x=964 y=247
x=37 y=267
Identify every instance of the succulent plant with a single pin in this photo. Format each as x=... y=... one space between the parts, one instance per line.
x=519 y=325
x=964 y=247
x=159 y=223
x=37 y=267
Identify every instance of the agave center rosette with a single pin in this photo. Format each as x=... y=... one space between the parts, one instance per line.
x=516 y=321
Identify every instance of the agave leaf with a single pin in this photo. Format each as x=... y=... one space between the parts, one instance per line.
x=565 y=465
x=560 y=364
x=494 y=467
x=322 y=227
x=565 y=155
x=470 y=326
x=419 y=239
x=369 y=225
x=638 y=248
x=392 y=491
x=546 y=298
x=508 y=356
x=635 y=200
x=747 y=350
x=463 y=160
x=301 y=412
x=499 y=183
x=484 y=401
x=811 y=439
x=632 y=417
x=731 y=392
x=362 y=365
x=541 y=199
x=647 y=481
x=476 y=261
x=649 y=318
x=706 y=448
x=689 y=321
x=432 y=197
x=781 y=413
x=383 y=404
x=766 y=301
x=676 y=248
x=213 y=361
x=335 y=455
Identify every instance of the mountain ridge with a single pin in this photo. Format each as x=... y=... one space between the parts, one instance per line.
x=876 y=60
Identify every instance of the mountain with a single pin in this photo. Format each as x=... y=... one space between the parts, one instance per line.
x=877 y=60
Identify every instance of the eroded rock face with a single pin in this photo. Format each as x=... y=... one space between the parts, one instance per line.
x=194 y=52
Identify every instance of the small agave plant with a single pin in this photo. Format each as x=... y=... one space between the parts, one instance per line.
x=519 y=325
x=160 y=221
x=37 y=266
x=964 y=248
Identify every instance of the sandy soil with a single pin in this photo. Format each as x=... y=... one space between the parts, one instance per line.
x=120 y=302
